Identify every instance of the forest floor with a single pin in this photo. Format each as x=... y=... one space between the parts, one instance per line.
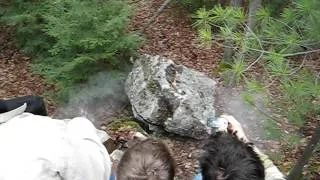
x=171 y=36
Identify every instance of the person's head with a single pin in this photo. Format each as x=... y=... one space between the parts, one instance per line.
x=147 y=160
x=227 y=158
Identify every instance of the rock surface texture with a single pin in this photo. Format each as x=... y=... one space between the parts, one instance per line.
x=171 y=97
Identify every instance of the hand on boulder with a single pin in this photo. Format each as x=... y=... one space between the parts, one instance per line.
x=234 y=127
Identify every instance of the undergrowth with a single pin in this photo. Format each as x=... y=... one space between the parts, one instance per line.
x=69 y=39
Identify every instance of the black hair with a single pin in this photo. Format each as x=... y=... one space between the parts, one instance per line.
x=35 y=105
x=226 y=157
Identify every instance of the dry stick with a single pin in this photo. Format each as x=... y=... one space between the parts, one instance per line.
x=153 y=18
x=254 y=62
x=301 y=65
x=301 y=53
x=286 y=55
x=295 y=173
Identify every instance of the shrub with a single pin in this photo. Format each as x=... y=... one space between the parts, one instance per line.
x=71 y=39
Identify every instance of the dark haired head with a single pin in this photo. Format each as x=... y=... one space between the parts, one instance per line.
x=227 y=158
x=147 y=160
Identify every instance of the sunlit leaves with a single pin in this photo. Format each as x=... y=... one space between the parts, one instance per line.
x=303 y=96
x=239 y=38
x=205 y=37
x=219 y=16
x=263 y=16
x=229 y=16
x=289 y=16
x=204 y=19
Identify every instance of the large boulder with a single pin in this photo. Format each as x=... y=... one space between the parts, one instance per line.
x=171 y=97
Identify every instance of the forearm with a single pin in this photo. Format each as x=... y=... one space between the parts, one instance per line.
x=271 y=171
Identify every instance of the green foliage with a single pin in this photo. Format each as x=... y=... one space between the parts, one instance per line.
x=255 y=86
x=302 y=96
x=277 y=65
x=205 y=37
x=237 y=70
x=226 y=19
x=220 y=17
x=276 y=6
x=204 y=19
x=72 y=39
x=26 y=16
x=269 y=44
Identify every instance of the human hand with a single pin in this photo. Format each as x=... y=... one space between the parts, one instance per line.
x=234 y=127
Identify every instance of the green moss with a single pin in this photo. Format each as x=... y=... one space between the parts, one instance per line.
x=127 y=123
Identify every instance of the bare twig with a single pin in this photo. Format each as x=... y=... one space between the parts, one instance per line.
x=254 y=62
x=301 y=53
x=301 y=65
x=285 y=55
x=271 y=83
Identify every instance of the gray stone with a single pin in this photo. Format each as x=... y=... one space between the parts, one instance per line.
x=171 y=97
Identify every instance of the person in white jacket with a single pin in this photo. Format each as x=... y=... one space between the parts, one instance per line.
x=36 y=147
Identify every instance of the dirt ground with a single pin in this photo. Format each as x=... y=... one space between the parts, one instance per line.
x=171 y=36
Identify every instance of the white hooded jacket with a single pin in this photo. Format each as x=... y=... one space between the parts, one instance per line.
x=41 y=148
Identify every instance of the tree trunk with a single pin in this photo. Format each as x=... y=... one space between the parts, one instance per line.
x=236 y=3
x=297 y=170
x=254 y=6
x=227 y=50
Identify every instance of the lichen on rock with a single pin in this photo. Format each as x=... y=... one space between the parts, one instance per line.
x=172 y=97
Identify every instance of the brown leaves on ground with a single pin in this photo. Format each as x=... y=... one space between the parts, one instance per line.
x=172 y=36
x=16 y=78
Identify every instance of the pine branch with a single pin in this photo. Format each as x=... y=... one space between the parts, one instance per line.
x=254 y=62
x=285 y=55
x=301 y=53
